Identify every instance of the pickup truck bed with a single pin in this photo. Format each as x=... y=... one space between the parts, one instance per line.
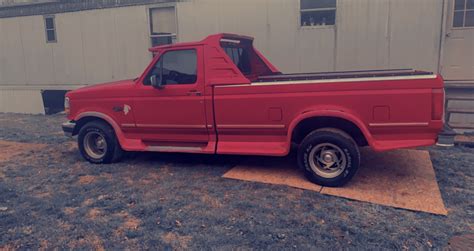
x=389 y=111
x=221 y=95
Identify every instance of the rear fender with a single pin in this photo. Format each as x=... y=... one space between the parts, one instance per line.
x=330 y=113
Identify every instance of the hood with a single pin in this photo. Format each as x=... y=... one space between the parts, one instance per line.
x=106 y=90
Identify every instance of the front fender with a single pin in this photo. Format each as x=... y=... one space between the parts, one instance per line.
x=107 y=118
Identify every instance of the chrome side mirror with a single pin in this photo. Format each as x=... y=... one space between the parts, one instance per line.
x=156 y=82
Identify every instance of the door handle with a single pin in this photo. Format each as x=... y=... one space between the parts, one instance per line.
x=194 y=93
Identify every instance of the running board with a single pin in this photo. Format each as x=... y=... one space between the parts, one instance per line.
x=208 y=149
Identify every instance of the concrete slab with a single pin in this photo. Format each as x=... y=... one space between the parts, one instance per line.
x=401 y=179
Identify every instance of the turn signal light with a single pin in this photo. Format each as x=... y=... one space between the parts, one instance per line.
x=66 y=105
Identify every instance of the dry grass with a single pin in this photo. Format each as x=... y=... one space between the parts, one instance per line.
x=51 y=199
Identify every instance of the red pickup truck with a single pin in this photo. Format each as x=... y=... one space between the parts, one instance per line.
x=222 y=96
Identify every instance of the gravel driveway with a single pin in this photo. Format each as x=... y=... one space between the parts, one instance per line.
x=51 y=198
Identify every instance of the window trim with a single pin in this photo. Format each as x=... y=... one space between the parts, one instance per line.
x=317 y=9
x=309 y=27
x=46 y=29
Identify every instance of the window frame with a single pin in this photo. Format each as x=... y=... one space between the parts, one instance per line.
x=46 y=29
x=464 y=10
x=160 y=61
x=330 y=26
x=172 y=36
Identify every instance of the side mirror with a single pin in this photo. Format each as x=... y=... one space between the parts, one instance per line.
x=156 y=82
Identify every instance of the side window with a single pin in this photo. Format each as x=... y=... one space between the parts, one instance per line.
x=240 y=58
x=175 y=67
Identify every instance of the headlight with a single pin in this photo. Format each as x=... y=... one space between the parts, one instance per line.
x=66 y=105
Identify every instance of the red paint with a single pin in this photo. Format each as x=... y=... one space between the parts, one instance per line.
x=231 y=116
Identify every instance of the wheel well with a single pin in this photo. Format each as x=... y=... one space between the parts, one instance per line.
x=308 y=125
x=81 y=122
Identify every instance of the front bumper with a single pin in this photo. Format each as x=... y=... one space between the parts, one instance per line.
x=68 y=128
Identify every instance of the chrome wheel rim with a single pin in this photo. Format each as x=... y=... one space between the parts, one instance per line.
x=95 y=145
x=327 y=160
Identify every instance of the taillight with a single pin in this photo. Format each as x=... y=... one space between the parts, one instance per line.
x=437 y=104
x=66 y=105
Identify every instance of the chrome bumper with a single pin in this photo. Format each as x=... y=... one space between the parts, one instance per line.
x=68 y=128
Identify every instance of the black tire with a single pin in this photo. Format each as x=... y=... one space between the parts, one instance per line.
x=112 y=151
x=344 y=145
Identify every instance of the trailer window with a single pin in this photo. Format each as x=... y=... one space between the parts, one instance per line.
x=50 y=29
x=463 y=14
x=317 y=13
x=163 y=25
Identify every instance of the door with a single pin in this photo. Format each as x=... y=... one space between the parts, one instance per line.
x=458 y=59
x=173 y=115
x=458 y=65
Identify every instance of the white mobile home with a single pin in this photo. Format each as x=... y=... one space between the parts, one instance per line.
x=48 y=46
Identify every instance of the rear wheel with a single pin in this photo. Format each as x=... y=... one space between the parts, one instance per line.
x=329 y=157
x=98 y=143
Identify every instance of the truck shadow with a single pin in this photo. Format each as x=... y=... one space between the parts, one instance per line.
x=190 y=159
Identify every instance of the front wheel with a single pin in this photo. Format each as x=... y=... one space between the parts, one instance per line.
x=329 y=157
x=98 y=143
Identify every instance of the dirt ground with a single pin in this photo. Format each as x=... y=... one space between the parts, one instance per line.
x=51 y=198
